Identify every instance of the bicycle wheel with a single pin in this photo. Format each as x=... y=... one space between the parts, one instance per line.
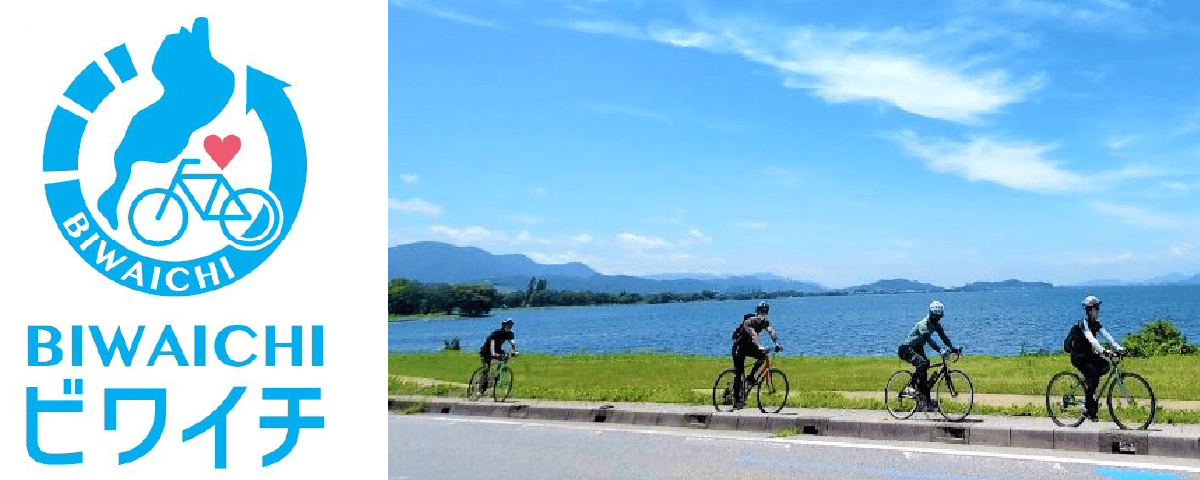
x=955 y=395
x=158 y=223
x=244 y=228
x=898 y=396
x=1131 y=401
x=502 y=384
x=773 y=392
x=1064 y=399
x=473 y=391
x=722 y=392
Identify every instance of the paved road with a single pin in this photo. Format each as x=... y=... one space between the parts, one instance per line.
x=448 y=447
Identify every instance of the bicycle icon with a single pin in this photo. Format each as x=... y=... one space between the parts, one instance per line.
x=261 y=231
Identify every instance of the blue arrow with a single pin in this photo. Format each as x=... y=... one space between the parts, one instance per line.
x=289 y=158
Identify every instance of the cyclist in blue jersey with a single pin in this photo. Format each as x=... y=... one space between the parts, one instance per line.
x=913 y=348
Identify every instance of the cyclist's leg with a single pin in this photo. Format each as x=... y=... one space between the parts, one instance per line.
x=921 y=370
x=759 y=358
x=1091 y=370
x=485 y=361
x=739 y=363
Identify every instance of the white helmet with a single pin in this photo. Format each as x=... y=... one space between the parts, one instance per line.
x=936 y=308
x=1090 y=301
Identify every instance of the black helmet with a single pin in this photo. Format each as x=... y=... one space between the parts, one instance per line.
x=507 y=323
x=762 y=308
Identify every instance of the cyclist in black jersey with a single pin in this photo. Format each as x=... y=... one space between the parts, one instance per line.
x=1088 y=355
x=492 y=349
x=746 y=344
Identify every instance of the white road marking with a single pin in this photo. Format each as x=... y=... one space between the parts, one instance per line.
x=906 y=450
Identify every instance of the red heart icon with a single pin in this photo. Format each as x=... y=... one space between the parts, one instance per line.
x=222 y=151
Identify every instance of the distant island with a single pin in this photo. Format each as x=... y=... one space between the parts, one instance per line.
x=895 y=285
x=1005 y=285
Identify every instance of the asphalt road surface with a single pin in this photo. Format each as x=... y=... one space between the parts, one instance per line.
x=429 y=447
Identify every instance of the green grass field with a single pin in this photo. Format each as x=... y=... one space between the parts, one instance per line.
x=673 y=378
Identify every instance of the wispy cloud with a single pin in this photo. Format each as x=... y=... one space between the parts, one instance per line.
x=538 y=191
x=409 y=178
x=636 y=241
x=1021 y=165
x=610 y=108
x=603 y=27
x=1093 y=15
x=751 y=225
x=468 y=235
x=526 y=238
x=1135 y=215
x=893 y=66
x=415 y=205
x=582 y=239
x=781 y=176
x=695 y=237
x=564 y=257
x=1181 y=250
x=1118 y=143
x=445 y=14
x=522 y=219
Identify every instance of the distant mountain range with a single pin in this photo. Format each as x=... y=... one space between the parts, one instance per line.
x=1168 y=279
x=436 y=262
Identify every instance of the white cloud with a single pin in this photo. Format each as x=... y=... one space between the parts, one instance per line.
x=895 y=66
x=582 y=239
x=1021 y=165
x=523 y=219
x=1106 y=15
x=409 y=178
x=415 y=205
x=469 y=235
x=1135 y=216
x=538 y=191
x=419 y=6
x=695 y=237
x=564 y=257
x=1118 y=143
x=619 y=29
x=751 y=225
x=640 y=241
x=1181 y=250
x=526 y=238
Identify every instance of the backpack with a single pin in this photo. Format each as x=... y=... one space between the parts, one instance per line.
x=1072 y=334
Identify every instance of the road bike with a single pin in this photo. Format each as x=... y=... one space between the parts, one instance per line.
x=770 y=385
x=951 y=389
x=1131 y=402
x=236 y=207
x=498 y=379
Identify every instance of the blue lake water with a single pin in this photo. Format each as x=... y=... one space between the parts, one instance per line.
x=986 y=323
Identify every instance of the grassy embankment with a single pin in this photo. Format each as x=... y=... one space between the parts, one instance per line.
x=815 y=381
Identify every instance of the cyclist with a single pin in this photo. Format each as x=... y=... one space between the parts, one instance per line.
x=746 y=344
x=913 y=349
x=492 y=349
x=1091 y=361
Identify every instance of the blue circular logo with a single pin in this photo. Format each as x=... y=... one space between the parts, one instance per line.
x=178 y=182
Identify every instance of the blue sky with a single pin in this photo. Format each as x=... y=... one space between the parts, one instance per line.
x=943 y=141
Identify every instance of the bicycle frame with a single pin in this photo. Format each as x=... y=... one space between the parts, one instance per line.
x=205 y=211
x=943 y=369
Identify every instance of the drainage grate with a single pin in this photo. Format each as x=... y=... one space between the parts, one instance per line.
x=809 y=430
